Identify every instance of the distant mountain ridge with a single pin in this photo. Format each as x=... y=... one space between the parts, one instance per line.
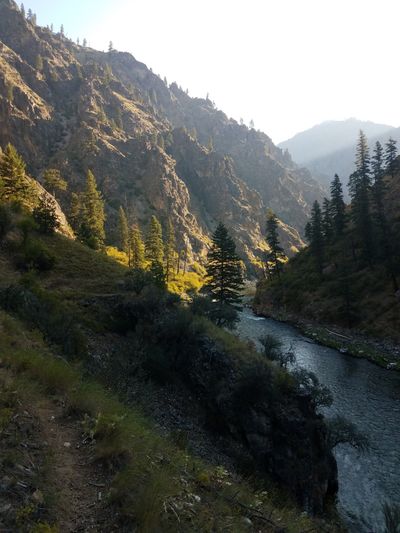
x=328 y=148
x=329 y=137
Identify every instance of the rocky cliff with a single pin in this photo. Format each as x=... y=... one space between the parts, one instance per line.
x=75 y=108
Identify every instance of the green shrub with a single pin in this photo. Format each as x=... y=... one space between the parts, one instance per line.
x=220 y=314
x=44 y=311
x=45 y=215
x=272 y=349
x=5 y=221
x=35 y=256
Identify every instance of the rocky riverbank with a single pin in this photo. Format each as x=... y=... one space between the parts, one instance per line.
x=382 y=352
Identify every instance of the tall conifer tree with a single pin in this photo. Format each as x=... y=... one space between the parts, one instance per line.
x=154 y=243
x=138 y=260
x=338 y=207
x=276 y=255
x=170 y=251
x=316 y=236
x=327 y=222
x=392 y=164
x=224 y=273
x=93 y=217
x=360 y=190
x=123 y=231
x=15 y=185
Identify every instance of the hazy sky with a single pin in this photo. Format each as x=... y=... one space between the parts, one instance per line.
x=286 y=64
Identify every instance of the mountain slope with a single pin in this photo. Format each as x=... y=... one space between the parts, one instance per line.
x=75 y=108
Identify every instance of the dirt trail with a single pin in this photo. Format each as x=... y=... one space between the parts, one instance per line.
x=79 y=484
x=51 y=455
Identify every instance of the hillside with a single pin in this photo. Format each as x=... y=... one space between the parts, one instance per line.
x=151 y=146
x=191 y=423
x=328 y=148
x=353 y=291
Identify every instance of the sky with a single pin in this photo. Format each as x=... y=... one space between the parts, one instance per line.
x=286 y=64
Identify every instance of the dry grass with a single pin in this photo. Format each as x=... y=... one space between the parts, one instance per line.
x=158 y=487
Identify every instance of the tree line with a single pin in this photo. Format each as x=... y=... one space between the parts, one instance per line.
x=362 y=229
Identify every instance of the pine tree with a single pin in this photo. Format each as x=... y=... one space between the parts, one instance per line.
x=138 y=260
x=15 y=185
x=23 y=10
x=337 y=206
x=154 y=243
x=30 y=14
x=276 y=255
x=110 y=47
x=392 y=164
x=170 y=251
x=123 y=232
x=327 y=221
x=383 y=228
x=377 y=162
x=84 y=43
x=75 y=211
x=91 y=230
x=360 y=189
x=308 y=232
x=53 y=181
x=224 y=277
x=316 y=236
x=62 y=30
x=45 y=214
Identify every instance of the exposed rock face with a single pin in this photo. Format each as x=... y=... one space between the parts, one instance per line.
x=74 y=108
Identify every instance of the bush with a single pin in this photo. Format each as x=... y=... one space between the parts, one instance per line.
x=171 y=345
x=5 y=221
x=45 y=312
x=26 y=225
x=309 y=385
x=45 y=215
x=35 y=256
x=222 y=315
x=255 y=386
x=341 y=431
x=137 y=279
x=273 y=351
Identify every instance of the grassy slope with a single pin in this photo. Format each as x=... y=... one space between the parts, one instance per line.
x=302 y=292
x=157 y=485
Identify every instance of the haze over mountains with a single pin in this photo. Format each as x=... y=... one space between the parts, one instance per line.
x=328 y=148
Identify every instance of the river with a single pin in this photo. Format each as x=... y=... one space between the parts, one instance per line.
x=365 y=394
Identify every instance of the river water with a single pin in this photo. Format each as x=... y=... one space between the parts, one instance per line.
x=365 y=394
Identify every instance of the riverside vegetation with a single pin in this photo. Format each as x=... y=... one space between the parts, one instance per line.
x=348 y=276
